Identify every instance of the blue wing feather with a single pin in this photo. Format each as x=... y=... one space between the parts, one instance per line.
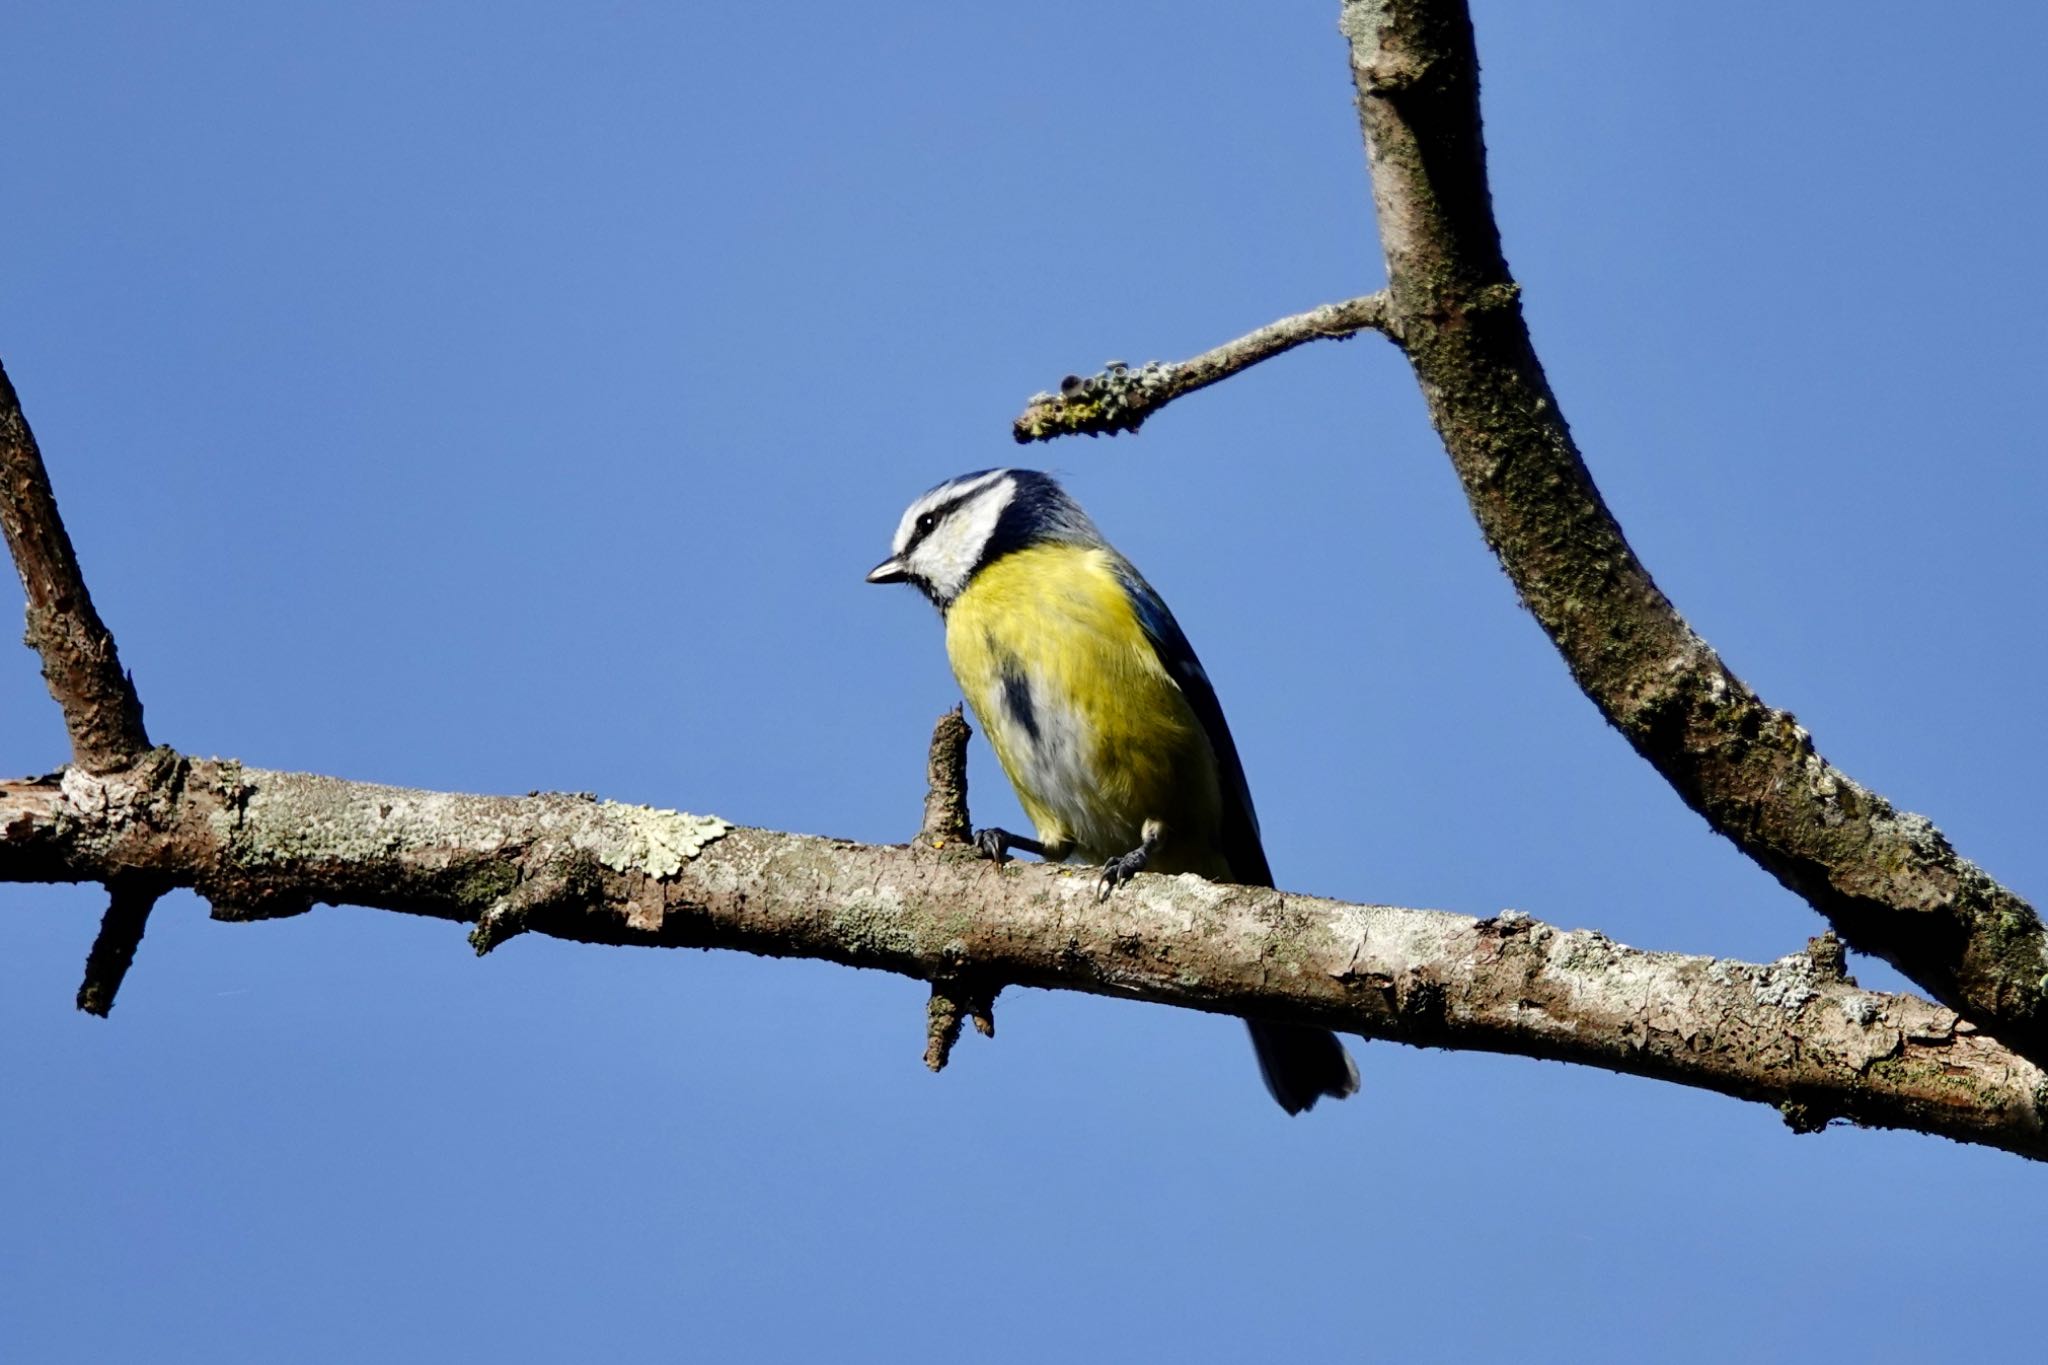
x=1242 y=848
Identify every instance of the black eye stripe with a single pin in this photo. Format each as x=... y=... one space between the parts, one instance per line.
x=928 y=522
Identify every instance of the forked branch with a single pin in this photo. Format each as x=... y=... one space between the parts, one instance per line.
x=81 y=667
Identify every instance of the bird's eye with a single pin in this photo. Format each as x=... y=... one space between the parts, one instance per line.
x=926 y=522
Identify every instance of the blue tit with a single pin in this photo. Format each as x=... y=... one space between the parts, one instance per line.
x=1098 y=709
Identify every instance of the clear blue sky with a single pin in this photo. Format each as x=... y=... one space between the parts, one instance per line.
x=496 y=397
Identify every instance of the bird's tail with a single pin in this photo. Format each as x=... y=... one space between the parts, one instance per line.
x=1302 y=1064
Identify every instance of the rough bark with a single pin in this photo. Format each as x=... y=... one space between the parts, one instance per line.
x=129 y=901
x=1795 y=1033
x=959 y=995
x=81 y=667
x=80 y=664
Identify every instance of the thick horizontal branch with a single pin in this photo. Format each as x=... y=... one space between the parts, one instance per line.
x=1119 y=398
x=101 y=710
x=1794 y=1033
x=1887 y=880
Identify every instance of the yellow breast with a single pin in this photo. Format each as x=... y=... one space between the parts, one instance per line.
x=1089 y=727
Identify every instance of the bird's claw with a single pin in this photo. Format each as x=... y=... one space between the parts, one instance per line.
x=1119 y=870
x=994 y=845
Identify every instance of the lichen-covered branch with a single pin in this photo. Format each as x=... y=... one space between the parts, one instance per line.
x=1794 y=1033
x=1119 y=398
x=79 y=661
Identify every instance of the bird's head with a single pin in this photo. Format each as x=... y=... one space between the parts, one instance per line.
x=948 y=534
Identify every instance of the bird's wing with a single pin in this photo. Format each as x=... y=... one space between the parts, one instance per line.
x=1240 y=833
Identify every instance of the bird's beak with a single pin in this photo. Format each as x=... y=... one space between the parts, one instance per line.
x=890 y=570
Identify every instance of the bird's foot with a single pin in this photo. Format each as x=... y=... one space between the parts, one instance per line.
x=1119 y=870
x=1125 y=866
x=995 y=844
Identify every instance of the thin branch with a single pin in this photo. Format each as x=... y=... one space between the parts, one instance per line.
x=943 y=1017
x=1794 y=1033
x=129 y=901
x=945 y=802
x=1119 y=398
x=957 y=995
x=80 y=664
x=953 y=1002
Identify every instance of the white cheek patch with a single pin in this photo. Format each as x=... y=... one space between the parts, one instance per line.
x=947 y=556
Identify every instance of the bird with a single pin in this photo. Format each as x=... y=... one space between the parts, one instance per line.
x=1098 y=711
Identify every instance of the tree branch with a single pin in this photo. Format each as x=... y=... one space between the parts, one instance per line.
x=80 y=664
x=129 y=901
x=1119 y=398
x=1887 y=880
x=945 y=802
x=1794 y=1033
x=957 y=995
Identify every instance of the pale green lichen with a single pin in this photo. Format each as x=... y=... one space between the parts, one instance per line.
x=234 y=792
x=643 y=838
x=1117 y=398
x=872 y=924
x=1786 y=984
